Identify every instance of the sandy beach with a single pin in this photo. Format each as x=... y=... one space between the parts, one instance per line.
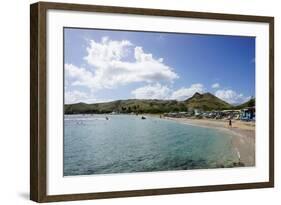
x=243 y=135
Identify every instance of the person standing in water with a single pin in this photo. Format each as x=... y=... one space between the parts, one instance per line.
x=229 y=123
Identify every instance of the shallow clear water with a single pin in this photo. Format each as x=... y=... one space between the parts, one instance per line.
x=126 y=143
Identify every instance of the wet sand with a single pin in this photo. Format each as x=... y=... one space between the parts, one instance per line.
x=243 y=135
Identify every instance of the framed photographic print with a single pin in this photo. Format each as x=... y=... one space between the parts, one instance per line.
x=134 y=102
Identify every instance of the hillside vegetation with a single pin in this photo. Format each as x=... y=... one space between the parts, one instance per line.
x=205 y=102
x=250 y=103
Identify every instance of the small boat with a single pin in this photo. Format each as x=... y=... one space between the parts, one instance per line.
x=143 y=118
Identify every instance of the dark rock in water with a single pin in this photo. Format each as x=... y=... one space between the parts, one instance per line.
x=238 y=164
x=241 y=164
x=220 y=166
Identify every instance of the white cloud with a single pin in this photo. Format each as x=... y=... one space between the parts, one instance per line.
x=100 y=54
x=216 y=85
x=78 y=76
x=156 y=91
x=110 y=69
x=185 y=93
x=74 y=96
x=77 y=96
x=231 y=96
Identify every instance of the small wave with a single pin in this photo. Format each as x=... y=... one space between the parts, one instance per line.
x=84 y=119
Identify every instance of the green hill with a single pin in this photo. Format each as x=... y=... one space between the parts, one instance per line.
x=250 y=103
x=127 y=106
x=206 y=101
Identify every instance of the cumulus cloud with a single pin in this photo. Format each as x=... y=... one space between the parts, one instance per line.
x=231 y=96
x=184 y=93
x=76 y=76
x=110 y=67
x=100 y=54
x=216 y=85
x=74 y=96
x=156 y=91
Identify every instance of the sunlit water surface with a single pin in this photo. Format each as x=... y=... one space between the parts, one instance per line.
x=126 y=143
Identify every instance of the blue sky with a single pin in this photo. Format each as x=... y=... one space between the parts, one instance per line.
x=104 y=65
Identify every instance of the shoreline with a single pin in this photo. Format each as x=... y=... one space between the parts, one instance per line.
x=243 y=135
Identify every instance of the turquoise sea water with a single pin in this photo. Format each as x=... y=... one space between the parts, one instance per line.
x=126 y=143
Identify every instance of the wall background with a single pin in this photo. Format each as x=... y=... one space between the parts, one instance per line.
x=14 y=102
